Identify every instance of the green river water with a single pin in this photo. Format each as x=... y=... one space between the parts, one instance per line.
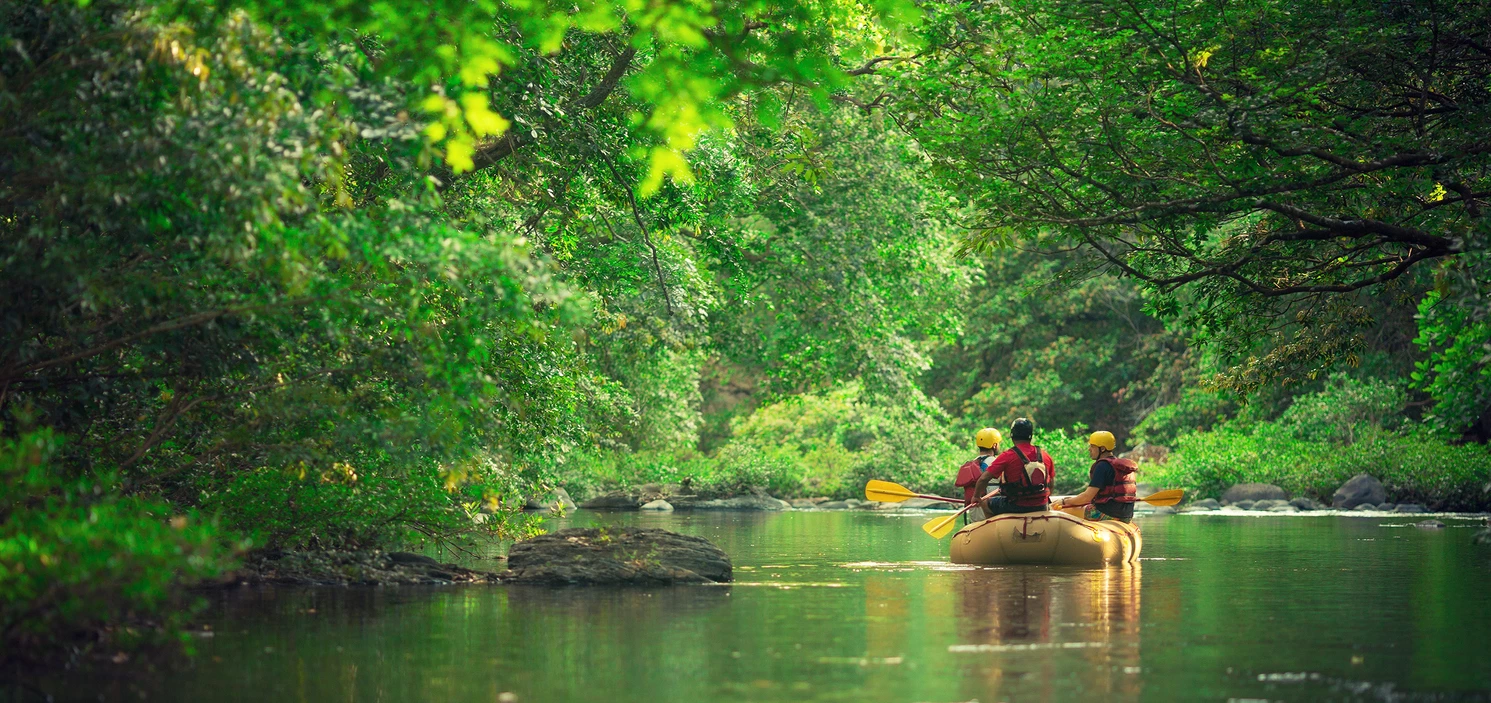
x=862 y=606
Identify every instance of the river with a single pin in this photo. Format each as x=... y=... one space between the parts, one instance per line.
x=862 y=606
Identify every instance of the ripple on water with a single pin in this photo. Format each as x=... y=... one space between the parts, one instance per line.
x=908 y=566
x=1026 y=647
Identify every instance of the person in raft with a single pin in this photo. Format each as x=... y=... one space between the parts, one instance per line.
x=988 y=441
x=1025 y=473
x=1111 y=490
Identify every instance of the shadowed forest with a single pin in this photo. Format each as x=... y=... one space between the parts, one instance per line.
x=299 y=275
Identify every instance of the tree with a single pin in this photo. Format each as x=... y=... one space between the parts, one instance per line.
x=1255 y=163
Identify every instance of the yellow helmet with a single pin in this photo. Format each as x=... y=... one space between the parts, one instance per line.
x=988 y=438
x=1103 y=439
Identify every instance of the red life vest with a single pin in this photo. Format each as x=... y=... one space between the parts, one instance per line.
x=1020 y=487
x=969 y=473
x=1123 y=489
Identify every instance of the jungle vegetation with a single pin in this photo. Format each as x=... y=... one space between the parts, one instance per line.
x=320 y=275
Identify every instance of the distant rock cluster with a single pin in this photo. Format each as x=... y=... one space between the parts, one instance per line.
x=1361 y=493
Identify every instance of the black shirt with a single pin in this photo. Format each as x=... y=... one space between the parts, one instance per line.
x=1102 y=476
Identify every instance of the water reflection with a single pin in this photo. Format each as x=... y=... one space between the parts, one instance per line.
x=1017 y=620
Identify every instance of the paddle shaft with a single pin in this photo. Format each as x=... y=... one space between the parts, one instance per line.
x=975 y=504
x=1065 y=504
x=944 y=499
x=899 y=491
x=941 y=527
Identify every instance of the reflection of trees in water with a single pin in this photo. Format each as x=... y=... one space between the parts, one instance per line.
x=1066 y=628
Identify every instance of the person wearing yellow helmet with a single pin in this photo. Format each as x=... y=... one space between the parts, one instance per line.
x=1111 y=489
x=988 y=441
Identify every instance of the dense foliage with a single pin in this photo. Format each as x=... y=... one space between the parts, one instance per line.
x=1253 y=162
x=309 y=275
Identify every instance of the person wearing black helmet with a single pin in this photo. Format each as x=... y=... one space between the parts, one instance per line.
x=1025 y=473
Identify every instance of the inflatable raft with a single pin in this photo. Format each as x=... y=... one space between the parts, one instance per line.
x=1046 y=538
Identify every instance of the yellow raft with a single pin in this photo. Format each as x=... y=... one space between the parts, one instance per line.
x=1046 y=538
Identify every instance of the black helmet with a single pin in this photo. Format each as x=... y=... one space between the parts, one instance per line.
x=1022 y=428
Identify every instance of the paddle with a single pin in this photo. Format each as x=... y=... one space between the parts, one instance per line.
x=887 y=492
x=1157 y=499
x=943 y=526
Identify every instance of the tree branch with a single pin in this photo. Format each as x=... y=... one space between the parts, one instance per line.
x=492 y=152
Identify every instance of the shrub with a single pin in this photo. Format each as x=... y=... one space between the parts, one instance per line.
x=76 y=556
x=1415 y=465
x=826 y=444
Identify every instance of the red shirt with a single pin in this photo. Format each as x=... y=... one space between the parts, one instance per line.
x=1009 y=459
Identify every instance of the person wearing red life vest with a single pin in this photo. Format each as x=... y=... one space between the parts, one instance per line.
x=1024 y=472
x=988 y=440
x=1111 y=488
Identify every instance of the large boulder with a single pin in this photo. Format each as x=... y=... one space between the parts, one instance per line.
x=1254 y=492
x=615 y=500
x=616 y=555
x=1361 y=489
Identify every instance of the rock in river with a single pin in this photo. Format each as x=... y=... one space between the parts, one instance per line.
x=658 y=504
x=1360 y=489
x=834 y=505
x=616 y=555
x=743 y=503
x=1387 y=507
x=1206 y=504
x=1303 y=503
x=1253 y=491
x=1429 y=525
x=615 y=500
x=1268 y=504
x=1410 y=508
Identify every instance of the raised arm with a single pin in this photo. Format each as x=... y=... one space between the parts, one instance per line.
x=1082 y=498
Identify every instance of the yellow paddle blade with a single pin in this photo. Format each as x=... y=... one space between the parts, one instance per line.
x=887 y=492
x=1170 y=497
x=943 y=526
